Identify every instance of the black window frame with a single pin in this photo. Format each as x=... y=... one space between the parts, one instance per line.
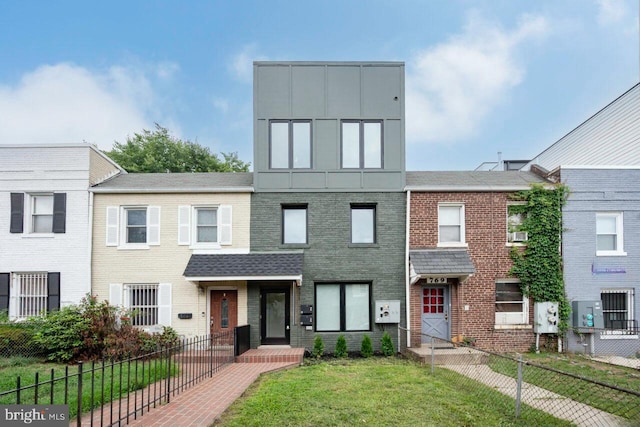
x=364 y=206
x=290 y=142
x=361 y=144
x=298 y=206
x=343 y=312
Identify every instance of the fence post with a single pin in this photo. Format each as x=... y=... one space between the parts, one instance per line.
x=79 y=414
x=168 y=351
x=519 y=386
x=433 y=355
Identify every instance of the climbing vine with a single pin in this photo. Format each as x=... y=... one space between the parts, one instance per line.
x=538 y=265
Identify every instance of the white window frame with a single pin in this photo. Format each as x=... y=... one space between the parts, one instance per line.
x=511 y=319
x=36 y=285
x=30 y=215
x=188 y=226
x=513 y=226
x=462 y=242
x=620 y=333
x=619 y=251
x=116 y=226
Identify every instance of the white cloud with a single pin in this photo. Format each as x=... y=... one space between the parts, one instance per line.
x=65 y=103
x=451 y=87
x=611 y=11
x=241 y=64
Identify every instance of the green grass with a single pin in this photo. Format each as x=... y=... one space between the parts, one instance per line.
x=123 y=377
x=607 y=399
x=381 y=392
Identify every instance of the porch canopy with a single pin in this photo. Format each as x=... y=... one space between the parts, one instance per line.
x=249 y=266
x=440 y=262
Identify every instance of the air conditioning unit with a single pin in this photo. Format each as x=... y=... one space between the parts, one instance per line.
x=519 y=236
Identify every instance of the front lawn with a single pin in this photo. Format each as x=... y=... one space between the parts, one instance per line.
x=379 y=391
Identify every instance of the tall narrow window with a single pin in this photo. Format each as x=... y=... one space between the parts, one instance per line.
x=290 y=144
x=362 y=144
x=42 y=213
x=451 y=224
x=206 y=225
x=609 y=239
x=294 y=224
x=515 y=216
x=363 y=224
x=136 y=220
x=143 y=302
x=32 y=292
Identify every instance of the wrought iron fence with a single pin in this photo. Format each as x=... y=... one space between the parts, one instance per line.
x=552 y=388
x=117 y=392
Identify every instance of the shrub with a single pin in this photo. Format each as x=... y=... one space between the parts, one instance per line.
x=341 y=347
x=318 y=347
x=16 y=340
x=387 y=345
x=366 y=348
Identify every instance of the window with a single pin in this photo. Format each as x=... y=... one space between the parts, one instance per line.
x=290 y=144
x=609 y=234
x=362 y=144
x=41 y=212
x=133 y=227
x=617 y=311
x=515 y=216
x=451 y=225
x=143 y=303
x=294 y=224
x=363 y=224
x=343 y=307
x=204 y=226
x=512 y=307
x=29 y=294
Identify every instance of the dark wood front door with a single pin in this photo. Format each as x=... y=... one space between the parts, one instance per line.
x=274 y=316
x=224 y=311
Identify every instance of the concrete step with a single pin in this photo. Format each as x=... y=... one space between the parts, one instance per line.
x=448 y=356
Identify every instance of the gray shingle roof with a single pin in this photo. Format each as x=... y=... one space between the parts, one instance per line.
x=441 y=261
x=177 y=182
x=245 y=265
x=472 y=180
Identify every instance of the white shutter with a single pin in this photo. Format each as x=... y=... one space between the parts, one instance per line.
x=153 y=225
x=225 y=225
x=112 y=225
x=164 y=304
x=184 y=231
x=115 y=294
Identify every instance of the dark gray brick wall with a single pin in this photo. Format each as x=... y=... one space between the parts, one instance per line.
x=329 y=257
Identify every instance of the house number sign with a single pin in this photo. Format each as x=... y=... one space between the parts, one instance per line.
x=436 y=280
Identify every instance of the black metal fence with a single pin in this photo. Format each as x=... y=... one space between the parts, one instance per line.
x=109 y=393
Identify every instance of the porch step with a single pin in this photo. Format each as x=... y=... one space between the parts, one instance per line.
x=448 y=356
x=272 y=355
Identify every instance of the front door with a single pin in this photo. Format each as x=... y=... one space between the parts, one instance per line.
x=274 y=316
x=224 y=311
x=435 y=313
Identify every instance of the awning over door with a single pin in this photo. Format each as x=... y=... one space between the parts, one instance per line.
x=251 y=266
x=455 y=263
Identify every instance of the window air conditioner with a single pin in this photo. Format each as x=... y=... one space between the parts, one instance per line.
x=519 y=236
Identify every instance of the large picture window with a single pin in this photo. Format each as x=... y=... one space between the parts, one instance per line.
x=290 y=144
x=343 y=307
x=361 y=144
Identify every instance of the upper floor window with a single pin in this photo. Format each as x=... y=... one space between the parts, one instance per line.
x=609 y=239
x=451 y=230
x=41 y=212
x=363 y=224
x=515 y=216
x=294 y=224
x=617 y=312
x=290 y=144
x=204 y=226
x=133 y=226
x=512 y=306
x=362 y=144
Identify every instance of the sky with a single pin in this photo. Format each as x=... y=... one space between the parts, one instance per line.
x=482 y=76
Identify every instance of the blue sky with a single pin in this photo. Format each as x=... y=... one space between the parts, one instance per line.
x=481 y=76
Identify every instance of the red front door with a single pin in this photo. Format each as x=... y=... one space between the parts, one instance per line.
x=224 y=311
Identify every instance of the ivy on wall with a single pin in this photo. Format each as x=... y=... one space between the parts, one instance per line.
x=538 y=265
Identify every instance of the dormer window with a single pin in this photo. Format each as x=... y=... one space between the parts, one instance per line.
x=290 y=144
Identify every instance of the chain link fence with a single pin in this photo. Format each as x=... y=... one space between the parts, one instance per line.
x=16 y=340
x=574 y=388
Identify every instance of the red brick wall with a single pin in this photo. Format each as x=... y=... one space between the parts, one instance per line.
x=485 y=234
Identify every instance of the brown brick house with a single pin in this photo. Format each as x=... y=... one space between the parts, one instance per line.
x=460 y=234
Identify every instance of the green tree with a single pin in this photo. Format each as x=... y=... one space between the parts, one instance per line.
x=159 y=151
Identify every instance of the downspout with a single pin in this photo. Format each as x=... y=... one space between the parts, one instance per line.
x=407 y=269
x=90 y=249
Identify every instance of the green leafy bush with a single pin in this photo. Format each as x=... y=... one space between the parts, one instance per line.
x=16 y=340
x=341 y=347
x=366 y=348
x=318 y=347
x=387 y=345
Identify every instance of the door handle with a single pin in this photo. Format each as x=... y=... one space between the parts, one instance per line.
x=288 y=327
x=446 y=316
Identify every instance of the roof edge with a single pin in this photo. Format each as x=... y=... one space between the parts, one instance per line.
x=172 y=190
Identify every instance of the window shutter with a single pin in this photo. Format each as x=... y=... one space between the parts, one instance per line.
x=184 y=214
x=17 y=212
x=59 y=212
x=225 y=225
x=164 y=304
x=153 y=225
x=53 y=291
x=4 y=291
x=112 y=226
x=115 y=294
